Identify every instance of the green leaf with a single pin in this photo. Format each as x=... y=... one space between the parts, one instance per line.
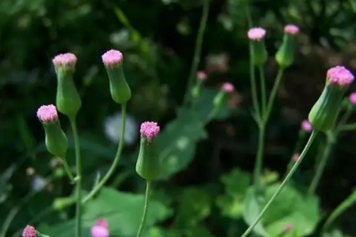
x=176 y=144
x=251 y=211
x=191 y=211
x=291 y=208
x=123 y=212
x=236 y=183
x=347 y=203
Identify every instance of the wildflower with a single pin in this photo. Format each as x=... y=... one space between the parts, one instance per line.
x=225 y=88
x=201 y=76
x=56 y=140
x=259 y=52
x=352 y=98
x=67 y=100
x=306 y=126
x=100 y=229
x=29 y=231
x=228 y=87
x=119 y=89
x=148 y=164
x=324 y=112
x=285 y=53
x=295 y=157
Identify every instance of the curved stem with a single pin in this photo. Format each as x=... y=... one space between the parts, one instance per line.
x=263 y=90
x=270 y=103
x=197 y=51
x=145 y=208
x=116 y=159
x=259 y=158
x=78 y=178
x=321 y=166
x=67 y=169
x=281 y=186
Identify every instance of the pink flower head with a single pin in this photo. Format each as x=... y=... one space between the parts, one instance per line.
x=352 y=98
x=291 y=29
x=227 y=87
x=65 y=59
x=29 y=231
x=149 y=130
x=47 y=113
x=100 y=229
x=202 y=76
x=339 y=75
x=112 y=58
x=288 y=227
x=295 y=157
x=256 y=33
x=306 y=126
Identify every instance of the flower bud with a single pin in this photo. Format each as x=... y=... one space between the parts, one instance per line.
x=324 y=112
x=56 y=140
x=352 y=98
x=201 y=77
x=119 y=89
x=29 y=231
x=148 y=164
x=306 y=126
x=68 y=100
x=285 y=53
x=259 y=52
x=219 y=98
x=100 y=229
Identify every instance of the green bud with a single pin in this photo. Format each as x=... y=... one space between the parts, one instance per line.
x=219 y=98
x=285 y=53
x=324 y=113
x=67 y=100
x=148 y=165
x=119 y=89
x=258 y=48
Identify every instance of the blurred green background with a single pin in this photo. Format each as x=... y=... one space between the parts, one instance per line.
x=157 y=38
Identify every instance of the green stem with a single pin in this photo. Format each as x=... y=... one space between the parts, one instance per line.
x=116 y=159
x=78 y=179
x=259 y=158
x=197 y=51
x=263 y=90
x=347 y=127
x=272 y=97
x=281 y=186
x=341 y=126
x=67 y=169
x=145 y=208
x=321 y=166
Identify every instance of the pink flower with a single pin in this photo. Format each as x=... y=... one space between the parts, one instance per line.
x=202 y=76
x=100 y=229
x=288 y=227
x=227 y=87
x=29 y=231
x=291 y=29
x=352 y=98
x=256 y=33
x=295 y=157
x=47 y=113
x=149 y=130
x=339 y=75
x=112 y=58
x=306 y=126
x=66 y=59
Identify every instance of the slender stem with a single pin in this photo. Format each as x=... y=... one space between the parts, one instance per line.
x=263 y=90
x=78 y=178
x=347 y=127
x=145 y=208
x=281 y=186
x=67 y=169
x=272 y=97
x=259 y=158
x=341 y=126
x=116 y=159
x=197 y=51
x=321 y=166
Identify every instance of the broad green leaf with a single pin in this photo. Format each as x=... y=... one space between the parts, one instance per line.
x=252 y=208
x=195 y=205
x=123 y=212
x=291 y=208
x=232 y=202
x=333 y=233
x=347 y=203
x=176 y=144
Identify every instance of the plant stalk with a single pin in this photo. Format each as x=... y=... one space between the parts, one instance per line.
x=145 y=209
